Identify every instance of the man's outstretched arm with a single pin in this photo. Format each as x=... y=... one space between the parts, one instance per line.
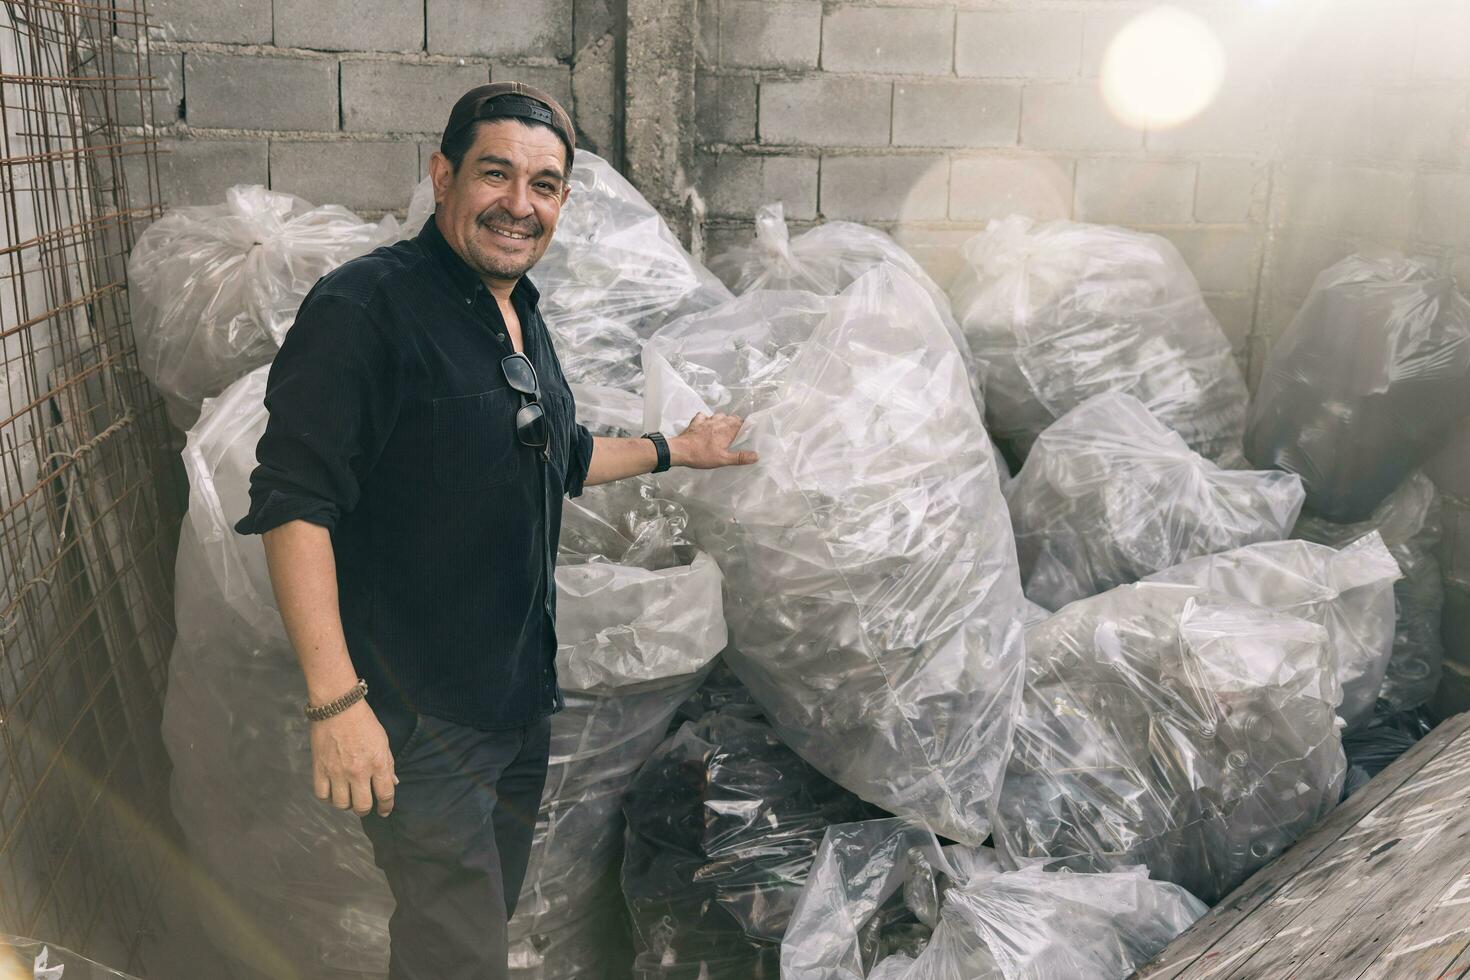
x=704 y=445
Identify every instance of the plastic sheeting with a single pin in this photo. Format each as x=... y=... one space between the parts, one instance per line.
x=723 y=822
x=1058 y=312
x=1409 y=522
x=36 y=960
x=870 y=573
x=1374 y=746
x=1183 y=730
x=1109 y=495
x=1348 y=592
x=824 y=260
x=215 y=288
x=634 y=643
x=987 y=924
x=1365 y=384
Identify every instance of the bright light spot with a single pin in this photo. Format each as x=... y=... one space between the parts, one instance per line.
x=1162 y=69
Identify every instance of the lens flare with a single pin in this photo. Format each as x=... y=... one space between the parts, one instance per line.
x=1162 y=69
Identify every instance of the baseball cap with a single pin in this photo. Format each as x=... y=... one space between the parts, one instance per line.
x=509 y=100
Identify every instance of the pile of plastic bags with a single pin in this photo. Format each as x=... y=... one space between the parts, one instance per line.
x=1347 y=592
x=723 y=823
x=1058 y=312
x=639 y=621
x=1109 y=495
x=1408 y=520
x=215 y=288
x=1365 y=384
x=1175 y=728
x=885 y=902
x=871 y=581
x=30 y=959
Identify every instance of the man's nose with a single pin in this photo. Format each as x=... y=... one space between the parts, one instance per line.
x=518 y=201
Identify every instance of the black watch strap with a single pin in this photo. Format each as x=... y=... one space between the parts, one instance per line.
x=661 y=446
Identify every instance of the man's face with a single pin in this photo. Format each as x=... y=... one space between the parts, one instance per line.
x=499 y=209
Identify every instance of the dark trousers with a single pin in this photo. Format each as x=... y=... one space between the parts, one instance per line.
x=456 y=845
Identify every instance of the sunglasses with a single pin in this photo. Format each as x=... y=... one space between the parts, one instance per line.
x=520 y=374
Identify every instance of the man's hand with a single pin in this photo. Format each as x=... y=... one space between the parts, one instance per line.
x=350 y=761
x=705 y=444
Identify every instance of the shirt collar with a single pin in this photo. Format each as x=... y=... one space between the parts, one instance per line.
x=465 y=279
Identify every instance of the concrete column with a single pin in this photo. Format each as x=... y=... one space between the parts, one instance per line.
x=658 y=100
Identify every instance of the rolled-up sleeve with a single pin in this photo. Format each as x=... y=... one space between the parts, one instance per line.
x=332 y=398
x=579 y=458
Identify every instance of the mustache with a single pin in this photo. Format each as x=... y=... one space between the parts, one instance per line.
x=501 y=218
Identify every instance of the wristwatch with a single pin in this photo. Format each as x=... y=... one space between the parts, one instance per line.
x=661 y=446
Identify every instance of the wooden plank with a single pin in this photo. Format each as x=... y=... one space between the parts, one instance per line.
x=1429 y=945
x=1210 y=939
x=1321 y=919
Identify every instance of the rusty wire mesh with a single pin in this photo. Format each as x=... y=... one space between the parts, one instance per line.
x=88 y=507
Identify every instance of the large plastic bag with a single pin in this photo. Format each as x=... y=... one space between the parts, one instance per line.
x=723 y=822
x=1348 y=592
x=1058 y=312
x=35 y=960
x=1179 y=729
x=1409 y=522
x=870 y=573
x=824 y=260
x=1109 y=495
x=987 y=924
x=1366 y=383
x=634 y=641
x=1373 y=747
x=215 y=288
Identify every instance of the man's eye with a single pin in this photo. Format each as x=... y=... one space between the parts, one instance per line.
x=494 y=173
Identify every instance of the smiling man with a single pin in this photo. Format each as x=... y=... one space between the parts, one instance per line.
x=420 y=442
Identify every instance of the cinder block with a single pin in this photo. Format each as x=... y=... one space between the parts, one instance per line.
x=163 y=91
x=1362 y=43
x=251 y=92
x=1072 y=117
x=594 y=18
x=955 y=113
x=1230 y=191
x=1440 y=43
x=597 y=98
x=360 y=174
x=1233 y=123
x=350 y=25
x=1443 y=214
x=762 y=34
x=1224 y=260
x=554 y=80
x=982 y=188
x=725 y=107
x=403 y=97
x=226 y=21
x=734 y=185
x=1018 y=43
x=1135 y=192
x=198 y=171
x=826 y=110
x=1357 y=200
x=1298 y=256
x=1236 y=314
x=1098 y=32
x=1450 y=471
x=500 y=28
x=891 y=40
x=884 y=188
x=721 y=238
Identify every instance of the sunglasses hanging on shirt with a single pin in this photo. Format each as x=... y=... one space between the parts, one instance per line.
x=520 y=374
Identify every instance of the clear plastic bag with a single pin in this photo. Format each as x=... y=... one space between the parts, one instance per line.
x=1058 y=312
x=991 y=924
x=1109 y=495
x=871 y=582
x=35 y=960
x=1179 y=729
x=1366 y=383
x=215 y=288
x=824 y=260
x=1348 y=592
x=1409 y=522
x=612 y=275
x=723 y=822
x=635 y=640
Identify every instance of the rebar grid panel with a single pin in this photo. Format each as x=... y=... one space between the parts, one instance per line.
x=88 y=505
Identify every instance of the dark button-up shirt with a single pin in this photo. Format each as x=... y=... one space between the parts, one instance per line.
x=392 y=425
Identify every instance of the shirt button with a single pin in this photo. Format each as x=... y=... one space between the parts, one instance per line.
x=500 y=336
x=468 y=300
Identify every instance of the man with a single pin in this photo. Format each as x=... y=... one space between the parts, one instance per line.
x=420 y=441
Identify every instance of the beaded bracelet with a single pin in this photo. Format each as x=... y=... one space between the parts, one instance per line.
x=322 y=712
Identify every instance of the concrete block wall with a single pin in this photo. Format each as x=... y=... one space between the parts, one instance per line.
x=342 y=101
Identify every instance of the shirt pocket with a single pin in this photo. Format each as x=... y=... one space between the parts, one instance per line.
x=475 y=442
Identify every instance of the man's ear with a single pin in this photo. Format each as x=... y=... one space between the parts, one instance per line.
x=442 y=175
